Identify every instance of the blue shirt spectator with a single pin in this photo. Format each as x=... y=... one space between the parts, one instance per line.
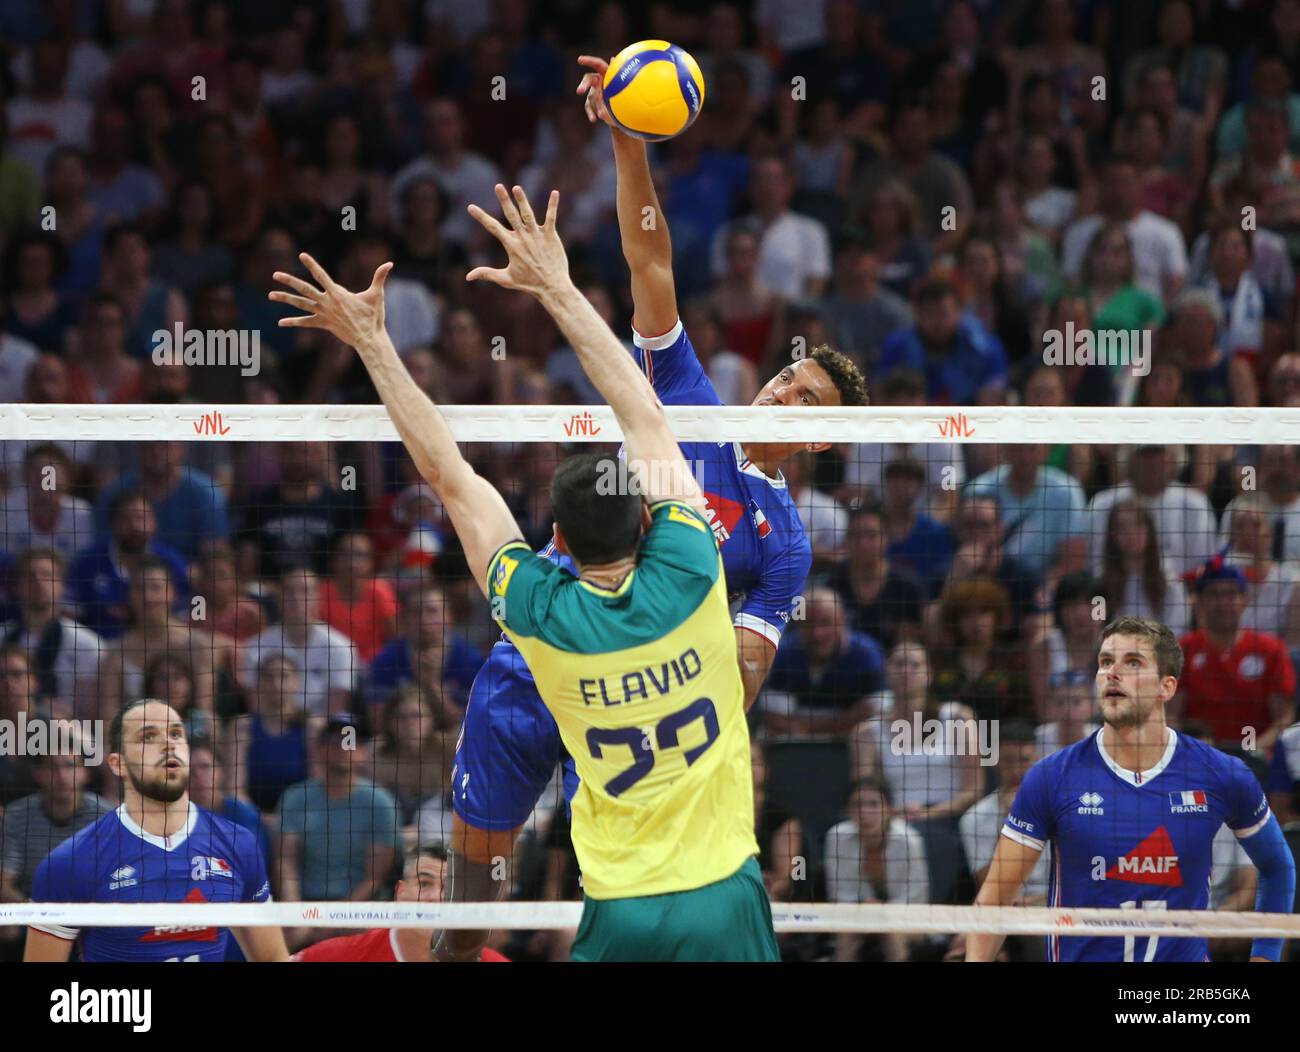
x=823 y=672
x=274 y=761
x=192 y=510
x=926 y=551
x=963 y=363
x=424 y=619
x=1041 y=507
x=98 y=576
x=703 y=187
x=340 y=833
x=336 y=835
x=920 y=544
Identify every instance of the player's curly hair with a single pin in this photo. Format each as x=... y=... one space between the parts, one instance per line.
x=975 y=594
x=846 y=376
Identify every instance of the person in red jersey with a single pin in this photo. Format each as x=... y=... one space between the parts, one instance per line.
x=1238 y=680
x=422 y=881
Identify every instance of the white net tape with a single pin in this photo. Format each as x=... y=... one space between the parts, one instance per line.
x=528 y=916
x=581 y=423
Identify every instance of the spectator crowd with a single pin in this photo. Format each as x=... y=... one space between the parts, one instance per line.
x=938 y=189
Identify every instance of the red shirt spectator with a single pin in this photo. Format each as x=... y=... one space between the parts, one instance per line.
x=352 y=601
x=1230 y=689
x=1234 y=678
x=405 y=528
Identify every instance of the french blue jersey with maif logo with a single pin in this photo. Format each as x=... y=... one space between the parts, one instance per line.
x=209 y=859
x=1139 y=840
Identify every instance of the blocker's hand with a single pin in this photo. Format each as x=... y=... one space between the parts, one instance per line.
x=538 y=263
x=356 y=318
x=593 y=86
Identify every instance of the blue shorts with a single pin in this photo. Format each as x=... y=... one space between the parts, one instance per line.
x=508 y=748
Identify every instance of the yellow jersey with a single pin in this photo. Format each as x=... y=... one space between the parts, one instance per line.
x=644 y=684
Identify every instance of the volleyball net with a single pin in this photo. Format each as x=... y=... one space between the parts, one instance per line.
x=282 y=577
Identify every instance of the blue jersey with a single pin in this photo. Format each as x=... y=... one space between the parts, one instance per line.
x=209 y=859
x=765 y=551
x=509 y=744
x=1134 y=840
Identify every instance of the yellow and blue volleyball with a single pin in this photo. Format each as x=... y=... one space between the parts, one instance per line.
x=653 y=90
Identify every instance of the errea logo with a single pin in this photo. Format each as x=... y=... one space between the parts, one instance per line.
x=1091 y=804
x=123 y=877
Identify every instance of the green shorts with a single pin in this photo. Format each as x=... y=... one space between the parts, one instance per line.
x=729 y=920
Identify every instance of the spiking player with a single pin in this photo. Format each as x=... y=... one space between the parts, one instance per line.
x=633 y=653
x=509 y=744
x=1131 y=813
x=156 y=847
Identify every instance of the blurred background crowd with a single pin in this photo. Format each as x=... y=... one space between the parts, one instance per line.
x=931 y=186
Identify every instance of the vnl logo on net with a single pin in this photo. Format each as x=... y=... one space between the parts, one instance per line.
x=181 y=346
x=39 y=737
x=1121 y=347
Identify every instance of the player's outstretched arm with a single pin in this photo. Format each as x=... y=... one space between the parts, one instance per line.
x=539 y=266
x=1275 y=893
x=477 y=510
x=1012 y=863
x=641 y=223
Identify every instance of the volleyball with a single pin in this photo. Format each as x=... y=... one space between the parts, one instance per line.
x=653 y=90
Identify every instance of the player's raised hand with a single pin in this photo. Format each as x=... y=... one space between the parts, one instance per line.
x=593 y=86
x=354 y=317
x=537 y=260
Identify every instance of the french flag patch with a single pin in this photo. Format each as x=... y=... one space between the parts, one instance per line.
x=1189 y=800
x=760 y=520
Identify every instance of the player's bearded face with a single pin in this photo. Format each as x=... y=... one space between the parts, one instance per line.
x=160 y=773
